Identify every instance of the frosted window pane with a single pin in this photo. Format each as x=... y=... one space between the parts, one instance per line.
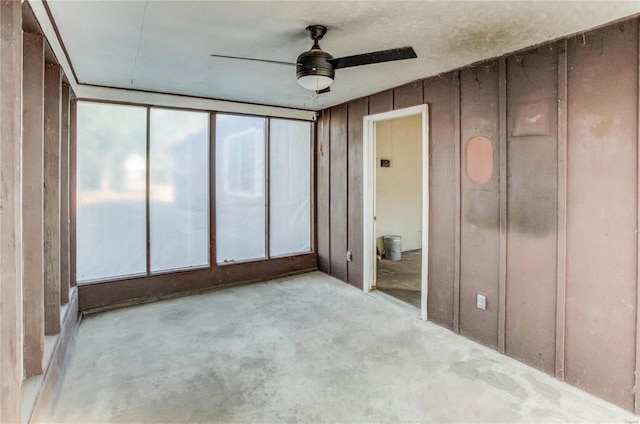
x=290 y=181
x=240 y=188
x=111 y=212
x=179 y=189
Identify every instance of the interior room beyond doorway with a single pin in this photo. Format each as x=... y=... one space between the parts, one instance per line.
x=399 y=208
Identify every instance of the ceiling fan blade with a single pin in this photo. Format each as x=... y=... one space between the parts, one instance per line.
x=374 y=57
x=254 y=60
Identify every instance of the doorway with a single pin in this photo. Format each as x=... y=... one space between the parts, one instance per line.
x=396 y=207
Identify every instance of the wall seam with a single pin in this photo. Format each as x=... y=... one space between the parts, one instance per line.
x=457 y=202
x=346 y=190
x=502 y=278
x=637 y=365
x=562 y=212
x=327 y=134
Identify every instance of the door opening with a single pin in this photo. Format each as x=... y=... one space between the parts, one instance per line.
x=396 y=207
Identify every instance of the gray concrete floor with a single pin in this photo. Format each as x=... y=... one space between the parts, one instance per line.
x=302 y=349
x=402 y=279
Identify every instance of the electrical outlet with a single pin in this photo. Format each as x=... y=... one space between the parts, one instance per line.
x=481 y=301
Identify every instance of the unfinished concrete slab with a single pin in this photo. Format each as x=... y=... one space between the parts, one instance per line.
x=301 y=349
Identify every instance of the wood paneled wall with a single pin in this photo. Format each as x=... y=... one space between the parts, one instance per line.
x=602 y=212
x=551 y=238
x=31 y=290
x=11 y=216
x=356 y=111
x=479 y=207
x=532 y=205
x=443 y=96
x=337 y=193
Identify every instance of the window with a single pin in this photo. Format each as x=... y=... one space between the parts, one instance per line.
x=242 y=200
x=240 y=188
x=143 y=189
x=290 y=182
x=113 y=205
x=178 y=189
x=111 y=191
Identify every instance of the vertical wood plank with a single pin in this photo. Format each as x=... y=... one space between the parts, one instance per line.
x=636 y=407
x=480 y=206
x=602 y=149
x=73 y=170
x=52 y=110
x=338 y=192
x=64 y=195
x=10 y=218
x=323 y=164
x=532 y=192
x=561 y=267
x=408 y=95
x=457 y=211
x=502 y=278
x=32 y=203
x=439 y=94
x=381 y=102
x=357 y=110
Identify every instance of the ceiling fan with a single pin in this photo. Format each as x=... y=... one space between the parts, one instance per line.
x=315 y=68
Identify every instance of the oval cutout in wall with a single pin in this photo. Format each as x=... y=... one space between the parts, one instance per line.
x=479 y=160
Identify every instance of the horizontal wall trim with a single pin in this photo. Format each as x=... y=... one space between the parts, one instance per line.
x=147 y=98
x=101 y=296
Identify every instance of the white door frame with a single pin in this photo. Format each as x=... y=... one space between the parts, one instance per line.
x=369 y=196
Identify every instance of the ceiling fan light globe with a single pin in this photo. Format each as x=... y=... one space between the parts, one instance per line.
x=315 y=82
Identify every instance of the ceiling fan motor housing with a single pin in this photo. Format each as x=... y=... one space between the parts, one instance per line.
x=315 y=62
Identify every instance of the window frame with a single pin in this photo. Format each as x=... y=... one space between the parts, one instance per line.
x=150 y=272
x=267 y=205
x=311 y=191
x=211 y=169
x=74 y=180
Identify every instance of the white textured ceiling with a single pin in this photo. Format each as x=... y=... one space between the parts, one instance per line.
x=165 y=46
